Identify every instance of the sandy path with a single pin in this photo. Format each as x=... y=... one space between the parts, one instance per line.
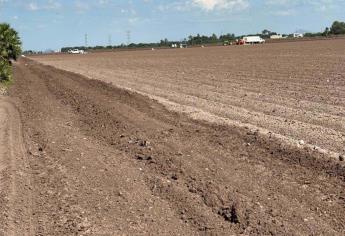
x=15 y=177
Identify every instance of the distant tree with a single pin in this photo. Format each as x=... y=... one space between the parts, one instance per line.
x=337 y=28
x=164 y=42
x=266 y=32
x=214 y=38
x=227 y=37
x=311 y=35
x=326 y=32
x=10 y=49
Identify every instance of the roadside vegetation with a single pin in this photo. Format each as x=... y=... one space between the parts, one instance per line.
x=10 y=49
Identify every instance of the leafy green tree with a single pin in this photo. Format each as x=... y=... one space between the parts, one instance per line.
x=10 y=49
x=338 y=27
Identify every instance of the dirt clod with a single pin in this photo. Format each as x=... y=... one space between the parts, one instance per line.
x=229 y=214
x=143 y=157
x=341 y=157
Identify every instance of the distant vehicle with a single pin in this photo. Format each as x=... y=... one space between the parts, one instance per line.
x=76 y=51
x=276 y=36
x=298 y=35
x=239 y=42
x=253 y=40
x=227 y=43
x=183 y=45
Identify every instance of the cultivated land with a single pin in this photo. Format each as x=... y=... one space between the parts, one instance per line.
x=88 y=157
x=293 y=89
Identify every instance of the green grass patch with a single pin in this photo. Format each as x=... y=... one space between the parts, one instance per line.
x=5 y=84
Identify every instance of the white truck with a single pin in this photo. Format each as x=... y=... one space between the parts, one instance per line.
x=76 y=51
x=253 y=40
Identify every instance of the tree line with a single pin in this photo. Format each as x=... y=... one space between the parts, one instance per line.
x=191 y=40
x=337 y=28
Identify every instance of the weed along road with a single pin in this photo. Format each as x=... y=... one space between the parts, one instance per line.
x=82 y=156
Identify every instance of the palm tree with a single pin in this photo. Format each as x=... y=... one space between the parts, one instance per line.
x=10 y=49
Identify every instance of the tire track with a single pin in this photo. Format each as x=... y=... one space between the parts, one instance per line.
x=15 y=186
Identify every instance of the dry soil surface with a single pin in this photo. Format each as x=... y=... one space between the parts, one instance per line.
x=100 y=160
x=15 y=176
x=295 y=90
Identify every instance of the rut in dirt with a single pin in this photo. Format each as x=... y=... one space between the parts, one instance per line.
x=15 y=177
x=196 y=176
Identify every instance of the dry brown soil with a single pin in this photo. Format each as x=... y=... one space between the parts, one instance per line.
x=82 y=157
x=296 y=89
x=15 y=174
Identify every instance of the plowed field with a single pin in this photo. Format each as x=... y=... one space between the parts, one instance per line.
x=292 y=89
x=201 y=141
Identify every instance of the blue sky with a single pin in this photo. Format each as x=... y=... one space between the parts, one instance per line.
x=52 y=24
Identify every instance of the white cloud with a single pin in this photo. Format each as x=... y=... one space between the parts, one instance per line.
x=103 y=2
x=280 y=2
x=32 y=6
x=47 y=5
x=210 y=5
x=206 y=5
x=288 y=12
x=175 y=5
x=318 y=4
x=291 y=7
x=81 y=6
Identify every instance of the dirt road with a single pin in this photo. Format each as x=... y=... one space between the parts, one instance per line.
x=105 y=161
x=15 y=177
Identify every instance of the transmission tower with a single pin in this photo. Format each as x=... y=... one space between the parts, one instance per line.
x=128 y=37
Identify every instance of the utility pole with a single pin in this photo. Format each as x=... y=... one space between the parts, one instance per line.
x=86 y=40
x=110 y=43
x=128 y=33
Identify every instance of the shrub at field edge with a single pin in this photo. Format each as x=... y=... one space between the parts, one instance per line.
x=10 y=49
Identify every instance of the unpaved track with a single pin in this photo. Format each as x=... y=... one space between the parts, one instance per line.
x=15 y=176
x=105 y=161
